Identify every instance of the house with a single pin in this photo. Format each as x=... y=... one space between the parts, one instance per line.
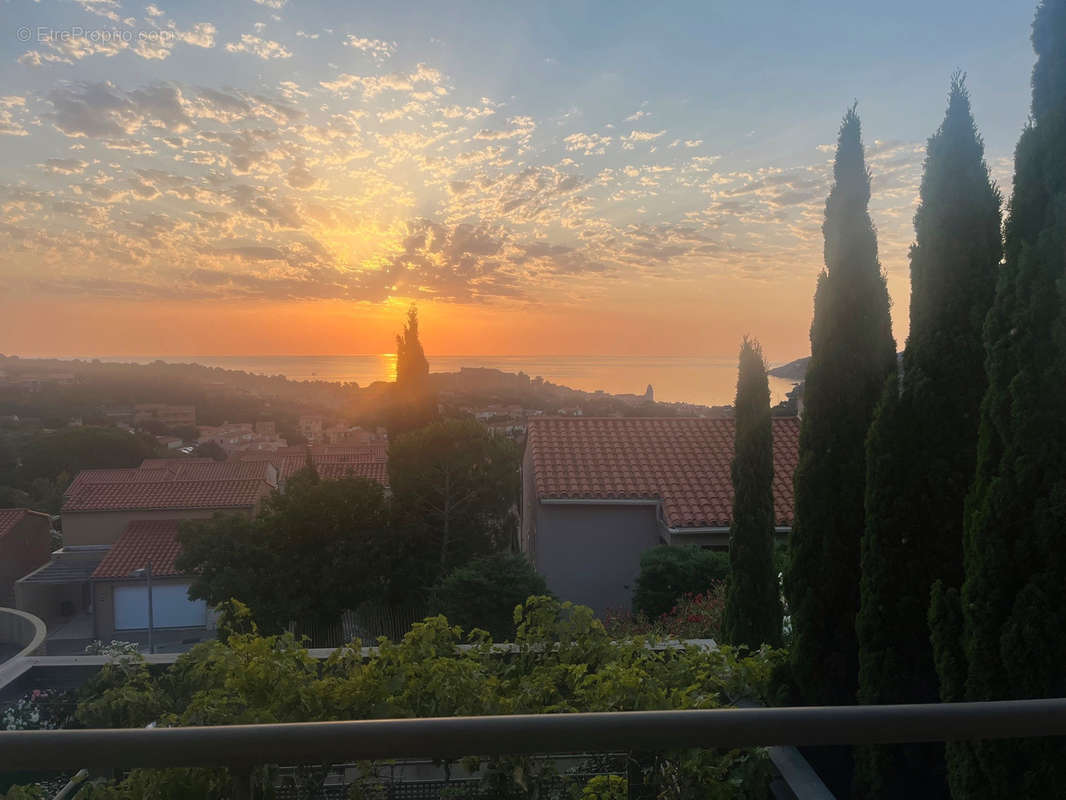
x=331 y=461
x=25 y=542
x=170 y=415
x=105 y=509
x=120 y=588
x=100 y=503
x=597 y=492
x=310 y=426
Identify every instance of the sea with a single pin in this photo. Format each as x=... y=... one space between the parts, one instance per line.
x=705 y=381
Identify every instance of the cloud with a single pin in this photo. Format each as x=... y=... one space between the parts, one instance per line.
x=102 y=110
x=591 y=144
x=421 y=77
x=266 y=49
x=275 y=4
x=630 y=140
x=521 y=127
x=64 y=166
x=377 y=49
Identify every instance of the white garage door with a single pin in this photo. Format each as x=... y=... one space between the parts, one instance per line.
x=172 y=607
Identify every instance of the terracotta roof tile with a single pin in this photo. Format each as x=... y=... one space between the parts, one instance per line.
x=143 y=496
x=141 y=542
x=682 y=461
x=10 y=517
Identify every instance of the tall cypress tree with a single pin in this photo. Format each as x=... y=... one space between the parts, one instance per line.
x=414 y=402
x=753 y=605
x=922 y=445
x=852 y=353
x=1004 y=638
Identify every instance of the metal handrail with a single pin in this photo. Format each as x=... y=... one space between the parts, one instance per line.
x=454 y=737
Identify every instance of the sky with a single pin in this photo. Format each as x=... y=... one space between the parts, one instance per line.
x=287 y=176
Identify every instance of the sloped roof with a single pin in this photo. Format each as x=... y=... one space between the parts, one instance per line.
x=143 y=541
x=331 y=461
x=684 y=462
x=163 y=495
x=336 y=470
x=10 y=517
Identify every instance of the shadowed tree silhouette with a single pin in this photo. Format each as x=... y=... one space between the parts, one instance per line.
x=922 y=446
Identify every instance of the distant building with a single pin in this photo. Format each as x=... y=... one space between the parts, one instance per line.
x=234 y=437
x=171 y=416
x=311 y=428
x=267 y=428
x=597 y=492
x=331 y=461
x=25 y=542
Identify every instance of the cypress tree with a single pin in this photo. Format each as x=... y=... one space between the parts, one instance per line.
x=852 y=353
x=922 y=445
x=1003 y=638
x=414 y=402
x=752 y=614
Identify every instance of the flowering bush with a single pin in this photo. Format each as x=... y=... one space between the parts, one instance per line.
x=113 y=648
x=40 y=709
x=695 y=616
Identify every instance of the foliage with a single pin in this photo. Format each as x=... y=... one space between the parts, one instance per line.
x=852 y=352
x=668 y=572
x=113 y=648
x=315 y=550
x=1000 y=637
x=455 y=490
x=484 y=593
x=210 y=449
x=69 y=450
x=752 y=614
x=564 y=662
x=695 y=616
x=38 y=709
x=414 y=404
x=927 y=416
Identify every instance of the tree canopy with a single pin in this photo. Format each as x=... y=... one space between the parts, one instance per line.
x=484 y=593
x=669 y=572
x=317 y=549
x=455 y=489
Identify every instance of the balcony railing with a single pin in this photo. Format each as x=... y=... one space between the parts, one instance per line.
x=454 y=737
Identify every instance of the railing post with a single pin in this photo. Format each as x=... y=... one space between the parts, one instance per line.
x=241 y=782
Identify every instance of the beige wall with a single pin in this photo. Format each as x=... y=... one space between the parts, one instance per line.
x=22 y=549
x=104 y=527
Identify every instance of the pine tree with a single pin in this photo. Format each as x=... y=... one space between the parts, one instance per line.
x=922 y=446
x=852 y=353
x=752 y=614
x=1012 y=608
x=414 y=402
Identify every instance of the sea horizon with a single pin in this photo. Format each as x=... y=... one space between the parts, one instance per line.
x=703 y=380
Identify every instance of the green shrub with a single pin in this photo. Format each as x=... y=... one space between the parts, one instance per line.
x=669 y=573
x=484 y=593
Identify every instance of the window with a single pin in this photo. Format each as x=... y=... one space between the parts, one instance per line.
x=172 y=607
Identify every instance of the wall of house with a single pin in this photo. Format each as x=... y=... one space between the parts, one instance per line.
x=49 y=600
x=22 y=549
x=590 y=554
x=104 y=610
x=104 y=527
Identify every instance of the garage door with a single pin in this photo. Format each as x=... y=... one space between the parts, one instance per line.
x=172 y=607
